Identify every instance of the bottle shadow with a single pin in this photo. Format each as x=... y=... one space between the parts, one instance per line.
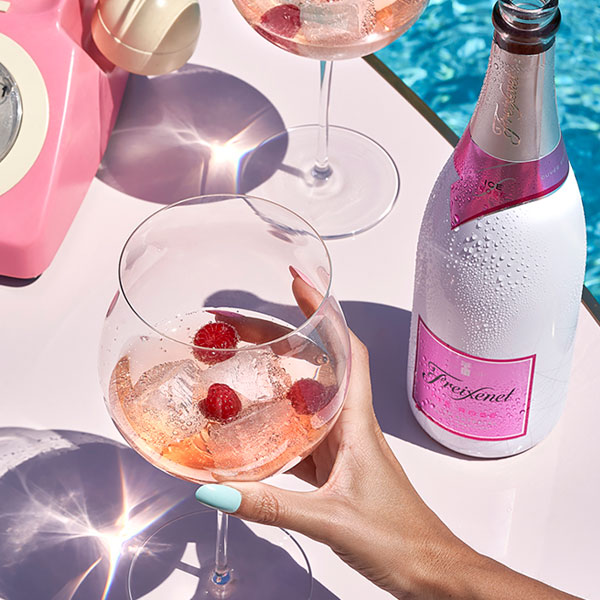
x=76 y=507
x=385 y=331
x=191 y=133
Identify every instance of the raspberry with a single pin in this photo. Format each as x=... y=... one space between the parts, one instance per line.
x=221 y=403
x=280 y=25
x=282 y=20
x=215 y=335
x=309 y=396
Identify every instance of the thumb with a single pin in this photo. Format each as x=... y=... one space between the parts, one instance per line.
x=263 y=503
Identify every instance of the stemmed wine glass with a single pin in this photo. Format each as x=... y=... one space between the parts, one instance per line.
x=212 y=373
x=342 y=181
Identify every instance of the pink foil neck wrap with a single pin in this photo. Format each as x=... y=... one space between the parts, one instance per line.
x=487 y=184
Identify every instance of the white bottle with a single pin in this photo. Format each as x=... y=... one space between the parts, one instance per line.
x=501 y=258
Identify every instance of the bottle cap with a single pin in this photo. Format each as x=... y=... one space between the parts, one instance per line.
x=147 y=37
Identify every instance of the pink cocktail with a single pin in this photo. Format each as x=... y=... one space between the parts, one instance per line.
x=212 y=372
x=331 y=30
x=340 y=180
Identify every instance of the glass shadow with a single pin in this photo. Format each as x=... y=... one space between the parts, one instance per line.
x=75 y=507
x=190 y=133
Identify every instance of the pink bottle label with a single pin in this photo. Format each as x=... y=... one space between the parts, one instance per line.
x=487 y=184
x=473 y=397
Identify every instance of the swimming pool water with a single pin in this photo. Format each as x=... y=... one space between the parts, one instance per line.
x=443 y=58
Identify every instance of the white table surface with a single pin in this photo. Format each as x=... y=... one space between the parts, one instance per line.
x=537 y=512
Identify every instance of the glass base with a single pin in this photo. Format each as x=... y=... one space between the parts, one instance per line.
x=361 y=190
x=177 y=562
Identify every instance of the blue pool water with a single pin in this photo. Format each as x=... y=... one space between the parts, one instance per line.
x=443 y=58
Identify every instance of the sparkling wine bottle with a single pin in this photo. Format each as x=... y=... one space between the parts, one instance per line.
x=501 y=257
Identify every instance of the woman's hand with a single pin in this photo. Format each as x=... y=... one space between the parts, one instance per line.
x=363 y=505
x=366 y=510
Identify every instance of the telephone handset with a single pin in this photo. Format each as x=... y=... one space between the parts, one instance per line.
x=63 y=69
x=148 y=37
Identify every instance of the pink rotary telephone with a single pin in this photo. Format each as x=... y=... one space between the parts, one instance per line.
x=63 y=70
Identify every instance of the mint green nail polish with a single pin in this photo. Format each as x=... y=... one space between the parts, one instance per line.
x=220 y=497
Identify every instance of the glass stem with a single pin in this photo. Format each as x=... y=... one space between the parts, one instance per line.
x=222 y=574
x=322 y=168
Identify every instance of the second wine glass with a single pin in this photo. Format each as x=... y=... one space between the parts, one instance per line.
x=340 y=180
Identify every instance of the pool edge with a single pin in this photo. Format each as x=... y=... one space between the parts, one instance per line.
x=587 y=298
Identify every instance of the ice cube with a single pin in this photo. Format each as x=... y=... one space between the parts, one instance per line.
x=262 y=432
x=255 y=375
x=334 y=21
x=164 y=403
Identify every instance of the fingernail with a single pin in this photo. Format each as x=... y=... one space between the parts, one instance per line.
x=295 y=273
x=221 y=497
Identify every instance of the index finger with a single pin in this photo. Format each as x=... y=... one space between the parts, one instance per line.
x=261 y=331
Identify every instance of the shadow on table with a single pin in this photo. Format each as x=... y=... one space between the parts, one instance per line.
x=75 y=507
x=14 y=282
x=385 y=331
x=190 y=133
